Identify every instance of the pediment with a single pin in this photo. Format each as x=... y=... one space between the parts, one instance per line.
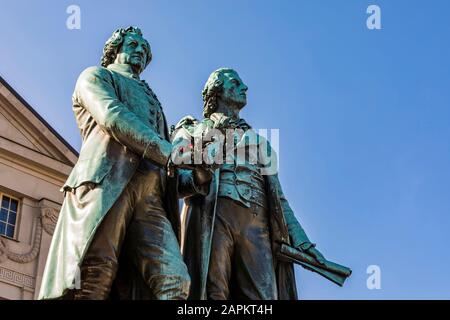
x=14 y=132
x=21 y=124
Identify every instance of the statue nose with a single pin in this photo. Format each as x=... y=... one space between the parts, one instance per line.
x=140 y=50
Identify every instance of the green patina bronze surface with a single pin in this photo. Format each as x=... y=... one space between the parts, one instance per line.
x=119 y=227
x=237 y=223
x=118 y=184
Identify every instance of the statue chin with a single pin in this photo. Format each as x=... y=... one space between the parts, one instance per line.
x=137 y=67
x=240 y=103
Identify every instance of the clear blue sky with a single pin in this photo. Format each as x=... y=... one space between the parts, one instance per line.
x=363 y=115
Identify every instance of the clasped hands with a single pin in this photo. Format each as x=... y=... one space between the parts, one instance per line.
x=183 y=157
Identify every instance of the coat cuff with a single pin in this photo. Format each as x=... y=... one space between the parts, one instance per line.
x=305 y=246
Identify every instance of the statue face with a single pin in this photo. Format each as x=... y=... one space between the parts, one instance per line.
x=234 y=90
x=133 y=52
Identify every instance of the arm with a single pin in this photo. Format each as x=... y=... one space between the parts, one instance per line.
x=269 y=159
x=298 y=236
x=296 y=232
x=95 y=92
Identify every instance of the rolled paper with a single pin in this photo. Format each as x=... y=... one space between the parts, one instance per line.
x=330 y=270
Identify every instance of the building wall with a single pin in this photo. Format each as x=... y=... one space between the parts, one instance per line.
x=34 y=163
x=23 y=260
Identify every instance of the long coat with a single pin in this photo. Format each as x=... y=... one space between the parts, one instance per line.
x=113 y=112
x=198 y=216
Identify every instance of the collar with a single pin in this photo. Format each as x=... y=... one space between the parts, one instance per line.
x=216 y=117
x=124 y=69
x=220 y=120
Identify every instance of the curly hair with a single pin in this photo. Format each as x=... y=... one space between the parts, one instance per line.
x=213 y=88
x=114 y=43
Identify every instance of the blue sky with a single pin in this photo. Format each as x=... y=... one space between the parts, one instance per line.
x=363 y=114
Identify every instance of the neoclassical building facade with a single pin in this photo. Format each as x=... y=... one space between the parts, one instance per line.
x=34 y=163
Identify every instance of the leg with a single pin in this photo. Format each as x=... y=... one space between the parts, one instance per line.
x=219 y=274
x=253 y=267
x=153 y=246
x=100 y=263
x=157 y=258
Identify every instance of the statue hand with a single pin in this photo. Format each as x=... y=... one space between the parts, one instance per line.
x=316 y=254
x=202 y=175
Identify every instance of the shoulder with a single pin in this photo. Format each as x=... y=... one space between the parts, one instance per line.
x=186 y=122
x=93 y=77
x=94 y=72
x=191 y=126
x=207 y=123
x=184 y=128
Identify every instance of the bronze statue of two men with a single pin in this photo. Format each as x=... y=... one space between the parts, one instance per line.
x=119 y=230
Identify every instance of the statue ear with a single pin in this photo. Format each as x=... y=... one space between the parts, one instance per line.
x=218 y=87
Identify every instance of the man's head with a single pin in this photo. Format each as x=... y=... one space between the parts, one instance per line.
x=226 y=85
x=127 y=46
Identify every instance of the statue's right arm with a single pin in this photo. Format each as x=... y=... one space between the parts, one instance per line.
x=95 y=92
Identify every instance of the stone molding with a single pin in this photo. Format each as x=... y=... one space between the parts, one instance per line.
x=47 y=222
x=17 y=278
